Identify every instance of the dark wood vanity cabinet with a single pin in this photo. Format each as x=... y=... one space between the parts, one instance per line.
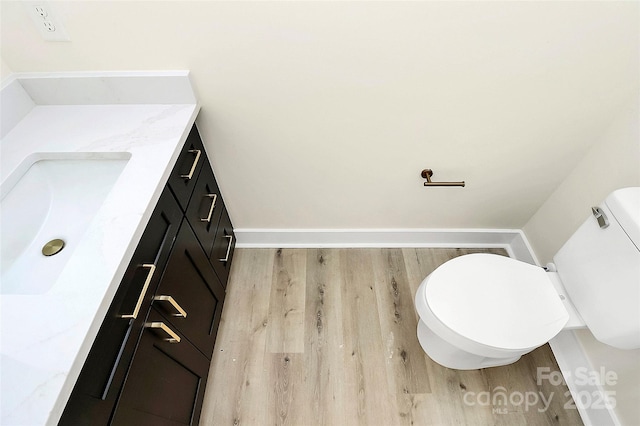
x=166 y=382
x=190 y=280
x=98 y=387
x=205 y=209
x=185 y=173
x=223 y=245
x=174 y=288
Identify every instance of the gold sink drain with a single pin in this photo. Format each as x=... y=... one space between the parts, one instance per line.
x=53 y=247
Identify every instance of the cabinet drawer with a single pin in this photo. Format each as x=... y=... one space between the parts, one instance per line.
x=223 y=247
x=205 y=208
x=94 y=395
x=190 y=280
x=166 y=383
x=184 y=175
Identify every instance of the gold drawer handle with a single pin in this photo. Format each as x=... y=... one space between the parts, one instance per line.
x=214 y=197
x=152 y=269
x=170 y=300
x=173 y=337
x=226 y=257
x=195 y=163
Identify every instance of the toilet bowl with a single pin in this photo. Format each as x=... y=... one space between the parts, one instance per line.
x=485 y=310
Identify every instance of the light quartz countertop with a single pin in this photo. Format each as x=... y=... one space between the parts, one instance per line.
x=46 y=337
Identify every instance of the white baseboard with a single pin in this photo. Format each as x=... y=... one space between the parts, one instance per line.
x=513 y=240
x=571 y=358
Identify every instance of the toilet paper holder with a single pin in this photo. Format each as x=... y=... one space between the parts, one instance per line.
x=427 y=173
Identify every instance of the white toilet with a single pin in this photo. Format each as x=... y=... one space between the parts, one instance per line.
x=485 y=310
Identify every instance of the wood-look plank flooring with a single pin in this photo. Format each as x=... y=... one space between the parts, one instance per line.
x=328 y=337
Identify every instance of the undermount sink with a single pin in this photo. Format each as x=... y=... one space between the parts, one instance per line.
x=47 y=199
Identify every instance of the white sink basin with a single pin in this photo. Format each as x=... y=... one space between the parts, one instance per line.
x=46 y=199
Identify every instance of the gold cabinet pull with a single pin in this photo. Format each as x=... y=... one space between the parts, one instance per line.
x=157 y=325
x=171 y=301
x=152 y=269
x=226 y=257
x=213 y=197
x=195 y=163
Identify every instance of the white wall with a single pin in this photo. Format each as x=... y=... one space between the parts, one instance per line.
x=5 y=71
x=323 y=114
x=613 y=162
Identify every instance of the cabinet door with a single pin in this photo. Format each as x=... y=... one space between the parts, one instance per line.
x=205 y=208
x=182 y=179
x=190 y=280
x=165 y=385
x=98 y=386
x=223 y=246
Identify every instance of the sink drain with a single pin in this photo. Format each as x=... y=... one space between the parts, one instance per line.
x=53 y=247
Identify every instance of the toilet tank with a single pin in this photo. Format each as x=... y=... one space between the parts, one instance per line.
x=600 y=269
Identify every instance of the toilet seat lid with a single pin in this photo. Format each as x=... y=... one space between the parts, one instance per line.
x=496 y=301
